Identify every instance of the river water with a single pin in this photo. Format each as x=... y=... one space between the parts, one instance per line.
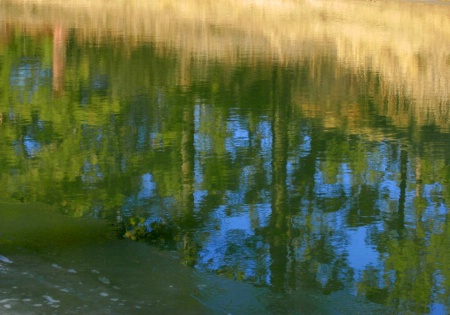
x=226 y=157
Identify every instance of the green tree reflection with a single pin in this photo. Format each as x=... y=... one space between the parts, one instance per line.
x=249 y=169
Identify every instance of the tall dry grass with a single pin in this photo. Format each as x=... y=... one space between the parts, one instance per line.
x=406 y=43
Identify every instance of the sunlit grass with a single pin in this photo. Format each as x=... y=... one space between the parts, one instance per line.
x=406 y=43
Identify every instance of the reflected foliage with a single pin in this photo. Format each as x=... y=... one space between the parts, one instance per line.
x=235 y=165
x=139 y=229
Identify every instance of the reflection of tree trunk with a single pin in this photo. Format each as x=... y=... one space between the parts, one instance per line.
x=402 y=199
x=59 y=58
x=187 y=159
x=184 y=77
x=187 y=181
x=279 y=225
x=418 y=177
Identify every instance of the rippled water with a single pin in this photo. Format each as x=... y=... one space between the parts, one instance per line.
x=224 y=158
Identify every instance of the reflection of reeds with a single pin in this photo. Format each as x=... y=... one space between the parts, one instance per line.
x=407 y=44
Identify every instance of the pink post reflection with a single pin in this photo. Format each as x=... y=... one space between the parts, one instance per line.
x=59 y=58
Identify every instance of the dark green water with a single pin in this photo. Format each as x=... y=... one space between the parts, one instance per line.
x=143 y=179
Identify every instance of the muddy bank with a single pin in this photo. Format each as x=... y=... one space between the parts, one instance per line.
x=65 y=265
x=62 y=265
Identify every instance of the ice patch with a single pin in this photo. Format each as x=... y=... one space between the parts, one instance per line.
x=5 y=259
x=50 y=300
x=72 y=271
x=7 y=300
x=104 y=280
x=104 y=294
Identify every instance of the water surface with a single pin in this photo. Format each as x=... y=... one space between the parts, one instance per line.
x=215 y=158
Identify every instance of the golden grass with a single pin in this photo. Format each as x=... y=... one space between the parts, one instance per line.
x=406 y=43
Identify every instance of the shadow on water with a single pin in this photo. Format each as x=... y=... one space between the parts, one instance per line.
x=62 y=265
